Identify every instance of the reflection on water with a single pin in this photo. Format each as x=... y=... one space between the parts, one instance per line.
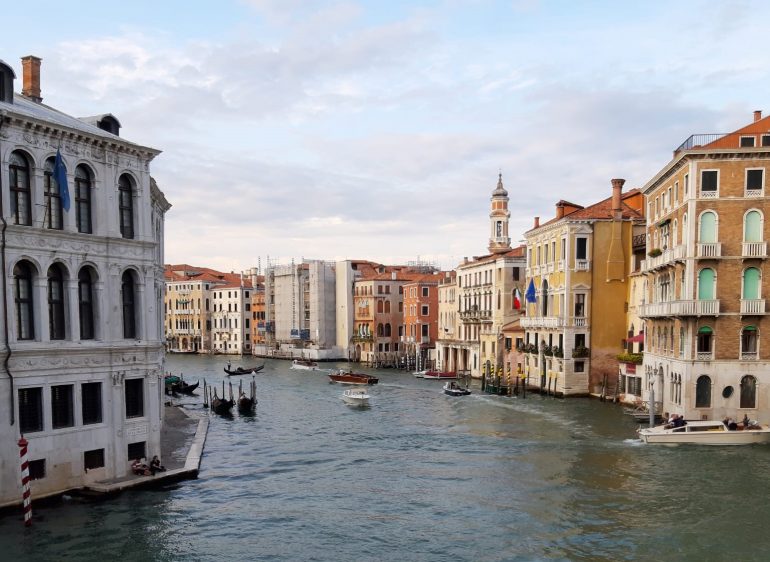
x=419 y=476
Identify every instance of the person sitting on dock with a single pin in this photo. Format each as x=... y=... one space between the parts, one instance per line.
x=155 y=465
x=138 y=467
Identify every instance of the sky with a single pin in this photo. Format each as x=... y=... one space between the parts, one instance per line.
x=376 y=130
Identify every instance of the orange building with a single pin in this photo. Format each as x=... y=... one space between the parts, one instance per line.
x=420 y=314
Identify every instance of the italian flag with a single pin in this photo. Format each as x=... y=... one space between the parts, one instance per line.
x=516 y=299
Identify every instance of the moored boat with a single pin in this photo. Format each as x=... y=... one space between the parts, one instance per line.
x=453 y=389
x=440 y=375
x=704 y=433
x=356 y=397
x=305 y=364
x=343 y=377
x=419 y=374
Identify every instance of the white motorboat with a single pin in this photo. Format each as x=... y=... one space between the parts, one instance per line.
x=356 y=397
x=704 y=433
x=419 y=374
x=305 y=364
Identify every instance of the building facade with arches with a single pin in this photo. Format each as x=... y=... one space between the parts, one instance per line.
x=707 y=346
x=82 y=294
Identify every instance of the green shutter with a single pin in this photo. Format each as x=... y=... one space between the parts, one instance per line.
x=753 y=227
x=706 y=284
x=751 y=283
x=708 y=228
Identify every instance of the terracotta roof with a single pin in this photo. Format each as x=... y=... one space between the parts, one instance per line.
x=600 y=211
x=186 y=272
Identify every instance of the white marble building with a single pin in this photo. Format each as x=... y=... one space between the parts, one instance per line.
x=81 y=337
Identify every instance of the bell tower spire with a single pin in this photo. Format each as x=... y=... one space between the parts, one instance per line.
x=499 y=241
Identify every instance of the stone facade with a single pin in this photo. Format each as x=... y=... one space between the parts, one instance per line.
x=82 y=296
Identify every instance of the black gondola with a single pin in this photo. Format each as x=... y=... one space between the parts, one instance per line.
x=184 y=388
x=245 y=403
x=242 y=371
x=220 y=405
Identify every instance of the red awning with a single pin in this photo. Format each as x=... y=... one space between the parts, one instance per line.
x=639 y=338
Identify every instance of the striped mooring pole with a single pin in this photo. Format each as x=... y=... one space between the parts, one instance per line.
x=25 y=482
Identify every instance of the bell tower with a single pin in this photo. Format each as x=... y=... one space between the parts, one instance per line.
x=499 y=241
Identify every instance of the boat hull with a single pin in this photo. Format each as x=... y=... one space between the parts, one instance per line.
x=352 y=378
x=355 y=397
x=440 y=375
x=697 y=433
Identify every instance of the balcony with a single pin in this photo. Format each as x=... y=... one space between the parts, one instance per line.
x=680 y=308
x=709 y=250
x=542 y=322
x=475 y=314
x=704 y=356
x=582 y=265
x=677 y=253
x=749 y=356
x=754 y=193
x=561 y=265
x=754 y=249
x=752 y=306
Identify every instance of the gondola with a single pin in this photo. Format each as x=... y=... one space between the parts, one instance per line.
x=242 y=371
x=246 y=403
x=185 y=388
x=221 y=406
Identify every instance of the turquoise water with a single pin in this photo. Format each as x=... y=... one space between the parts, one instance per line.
x=420 y=476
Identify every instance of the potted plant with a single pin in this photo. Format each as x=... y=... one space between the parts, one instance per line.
x=655 y=252
x=580 y=351
x=635 y=358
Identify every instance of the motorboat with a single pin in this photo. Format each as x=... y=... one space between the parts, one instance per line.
x=342 y=377
x=453 y=389
x=419 y=374
x=356 y=397
x=440 y=375
x=305 y=364
x=705 y=433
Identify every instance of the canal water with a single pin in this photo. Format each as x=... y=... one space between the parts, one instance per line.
x=419 y=476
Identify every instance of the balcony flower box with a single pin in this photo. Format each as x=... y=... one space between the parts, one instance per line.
x=635 y=358
x=655 y=252
x=580 y=352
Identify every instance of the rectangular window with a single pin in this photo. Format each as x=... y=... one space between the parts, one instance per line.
x=424 y=328
x=30 y=410
x=580 y=340
x=709 y=180
x=765 y=140
x=579 y=366
x=134 y=398
x=581 y=248
x=755 y=179
x=93 y=459
x=62 y=408
x=580 y=305
x=747 y=142
x=424 y=310
x=137 y=450
x=686 y=183
x=91 y=398
x=425 y=291
x=37 y=469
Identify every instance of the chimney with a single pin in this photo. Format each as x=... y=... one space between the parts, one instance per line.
x=559 y=210
x=537 y=222
x=31 y=78
x=757 y=115
x=617 y=189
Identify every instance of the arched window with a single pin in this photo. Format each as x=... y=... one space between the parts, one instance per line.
x=499 y=299
x=750 y=283
x=56 y=328
x=22 y=279
x=86 y=303
x=380 y=330
x=21 y=202
x=380 y=306
x=83 y=199
x=752 y=227
x=126 y=195
x=748 y=392
x=703 y=392
x=706 y=284
x=53 y=211
x=387 y=307
x=387 y=330
x=128 y=298
x=685 y=234
x=708 y=228
x=749 y=342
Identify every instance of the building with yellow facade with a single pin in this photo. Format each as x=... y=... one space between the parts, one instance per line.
x=578 y=266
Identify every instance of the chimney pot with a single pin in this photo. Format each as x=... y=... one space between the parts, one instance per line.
x=559 y=211
x=617 y=188
x=757 y=115
x=537 y=222
x=31 y=77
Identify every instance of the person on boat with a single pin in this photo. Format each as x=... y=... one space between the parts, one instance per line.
x=732 y=425
x=155 y=465
x=138 y=467
x=746 y=421
x=679 y=421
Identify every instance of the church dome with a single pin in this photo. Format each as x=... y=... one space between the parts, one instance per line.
x=500 y=190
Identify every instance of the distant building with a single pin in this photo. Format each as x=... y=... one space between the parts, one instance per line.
x=82 y=309
x=705 y=312
x=420 y=315
x=231 y=318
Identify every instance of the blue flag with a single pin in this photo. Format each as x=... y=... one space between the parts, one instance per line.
x=531 y=292
x=60 y=175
